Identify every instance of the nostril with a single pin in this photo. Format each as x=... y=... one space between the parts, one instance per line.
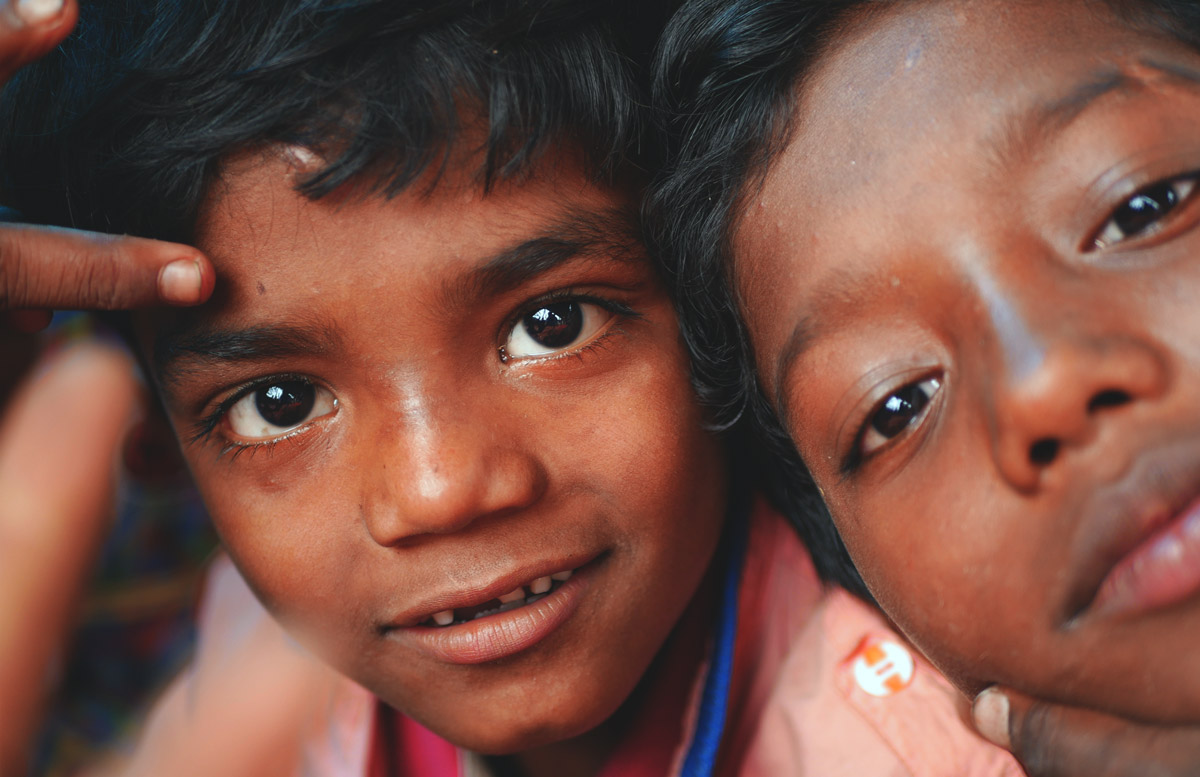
x=1043 y=451
x=1110 y=398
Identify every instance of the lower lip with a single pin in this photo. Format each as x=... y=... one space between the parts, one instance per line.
x=501 y=635
x=1161 y=571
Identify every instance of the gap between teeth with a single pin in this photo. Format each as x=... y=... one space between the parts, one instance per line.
x=511 y=600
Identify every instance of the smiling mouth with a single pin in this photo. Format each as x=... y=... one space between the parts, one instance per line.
x=521 y=596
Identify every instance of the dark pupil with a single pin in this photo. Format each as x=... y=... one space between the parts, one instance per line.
x=285 y=404
x=899 y=410
x=1145 y=208
x=555 y=326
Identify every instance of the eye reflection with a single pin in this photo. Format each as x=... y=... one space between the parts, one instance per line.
x=1143 y=212
x=898 y=412
x=555 y=327
x=276 y=407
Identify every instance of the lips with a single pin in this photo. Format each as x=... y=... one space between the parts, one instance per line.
x=478 y=624
x=1144 y=539
x=521 y=596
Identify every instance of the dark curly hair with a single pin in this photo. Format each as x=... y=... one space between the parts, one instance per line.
x=122 y=127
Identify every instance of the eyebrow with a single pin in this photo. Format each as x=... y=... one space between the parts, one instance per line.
x=609 y=235
x=175 y=353
x=1028 y=129
x=803 y=335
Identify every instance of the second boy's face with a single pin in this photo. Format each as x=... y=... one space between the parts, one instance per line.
x=450 y=438
x=973 y=288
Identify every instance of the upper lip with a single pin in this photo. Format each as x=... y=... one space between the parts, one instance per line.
x=473 y=593
x=1119 y=518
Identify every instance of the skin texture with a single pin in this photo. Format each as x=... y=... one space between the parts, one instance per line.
x=437 y=465
x=943 y=243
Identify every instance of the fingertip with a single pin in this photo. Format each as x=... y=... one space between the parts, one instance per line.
x=186 y=281
x=38 y=12
x=31 y=28
x=991 y=715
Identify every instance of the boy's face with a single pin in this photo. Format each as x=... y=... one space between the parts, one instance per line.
x=973 y=288
x=403 y=411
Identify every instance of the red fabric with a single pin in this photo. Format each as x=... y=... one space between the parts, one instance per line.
x=417 y=751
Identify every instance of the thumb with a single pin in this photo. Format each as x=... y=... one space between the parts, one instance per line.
x=1053 y=740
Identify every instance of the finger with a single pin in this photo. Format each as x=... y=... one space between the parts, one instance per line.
x=1051 y=740
x=30 y=28
x=57 y=450
x=47 y=267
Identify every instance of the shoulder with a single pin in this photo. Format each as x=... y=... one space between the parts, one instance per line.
x=848 y=695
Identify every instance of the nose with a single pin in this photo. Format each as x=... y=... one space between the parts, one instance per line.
x=443 y=464
x=1060 y=403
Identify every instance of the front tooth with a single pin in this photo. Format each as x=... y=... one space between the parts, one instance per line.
x=514 y=596
x=561 y=577
x=444 y=618
x=540 y=586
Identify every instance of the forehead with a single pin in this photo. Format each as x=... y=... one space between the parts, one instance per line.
x=358 y=267
x=911 y=103
x=916 y=67
x=256 y=224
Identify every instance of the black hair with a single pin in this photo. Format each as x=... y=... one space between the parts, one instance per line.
x=122 y=128
x=726 y=79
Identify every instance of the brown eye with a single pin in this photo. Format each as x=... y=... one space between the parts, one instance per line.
x=275 y=407
x=550 y=328
x=1143 y=212
x=554 y=326
x=897 y=413
x=286 y=403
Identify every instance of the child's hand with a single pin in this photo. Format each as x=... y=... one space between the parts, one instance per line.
x=1056 y=741
x=43 y=268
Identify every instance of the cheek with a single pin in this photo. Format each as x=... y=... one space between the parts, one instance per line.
x=290 y=544
x=954 y=584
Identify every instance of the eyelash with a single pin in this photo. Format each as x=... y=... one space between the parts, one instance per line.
x=856 y=457
x=204 y=428
x=559 y=296
x=1192 y=179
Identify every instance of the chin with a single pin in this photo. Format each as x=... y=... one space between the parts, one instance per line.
x=501 y=735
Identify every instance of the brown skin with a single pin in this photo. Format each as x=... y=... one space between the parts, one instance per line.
x=945 y=232
x=442 y=466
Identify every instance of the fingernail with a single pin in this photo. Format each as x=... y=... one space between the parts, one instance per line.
x=180 y=281
x=37 y=11
x=990 y=712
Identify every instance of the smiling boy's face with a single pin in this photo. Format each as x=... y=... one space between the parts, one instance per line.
x=407 y=412
x=972 y=286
